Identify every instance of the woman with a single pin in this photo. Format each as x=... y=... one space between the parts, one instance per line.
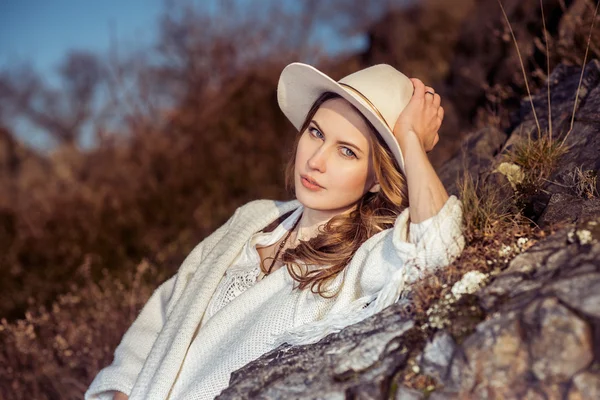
x=296 y=271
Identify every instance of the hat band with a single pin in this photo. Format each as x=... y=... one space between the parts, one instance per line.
x=368 y=102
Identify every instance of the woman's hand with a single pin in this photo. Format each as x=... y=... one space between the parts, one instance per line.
x=120 y=396
x=422 y=117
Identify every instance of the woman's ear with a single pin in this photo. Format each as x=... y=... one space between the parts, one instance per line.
x=375 y=188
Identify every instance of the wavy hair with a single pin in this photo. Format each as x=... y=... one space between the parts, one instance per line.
x=338 y=240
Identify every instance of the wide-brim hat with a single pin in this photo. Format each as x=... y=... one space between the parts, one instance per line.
x=379 y=92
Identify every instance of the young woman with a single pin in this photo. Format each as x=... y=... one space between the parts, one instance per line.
x=295 y=271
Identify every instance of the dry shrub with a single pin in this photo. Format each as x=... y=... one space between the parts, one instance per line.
x=420 y=39
x=170 y=171
x=156 y=195
x=577 y=35
x=55 y=353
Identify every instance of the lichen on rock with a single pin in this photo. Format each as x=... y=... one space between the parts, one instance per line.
x=513 y=173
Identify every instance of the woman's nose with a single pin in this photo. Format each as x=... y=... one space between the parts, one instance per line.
x=318 y=160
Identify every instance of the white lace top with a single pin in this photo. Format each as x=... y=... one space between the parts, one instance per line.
x=245 y=269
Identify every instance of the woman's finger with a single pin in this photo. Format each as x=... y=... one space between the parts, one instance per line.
x=429 y=94
x=440 y=113
x=437 y=100
x=419 y=88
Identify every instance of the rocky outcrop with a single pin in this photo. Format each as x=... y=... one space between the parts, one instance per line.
x=477 y=154
x=359 y=362
x=540 y=333
x=533 y=330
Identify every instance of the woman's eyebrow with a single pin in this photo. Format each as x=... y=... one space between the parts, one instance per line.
x=342 y=142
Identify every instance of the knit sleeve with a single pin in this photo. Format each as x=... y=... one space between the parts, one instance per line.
x=432 y=243
x=134 y=347
x=416 y=249
x=130 y=355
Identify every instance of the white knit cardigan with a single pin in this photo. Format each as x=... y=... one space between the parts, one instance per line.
x=149 y=358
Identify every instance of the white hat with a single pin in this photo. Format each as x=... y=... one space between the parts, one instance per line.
x=379 y=92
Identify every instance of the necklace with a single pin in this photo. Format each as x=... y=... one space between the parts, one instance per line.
x=281 y=245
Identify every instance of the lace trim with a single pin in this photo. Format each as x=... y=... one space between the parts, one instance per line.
x=236 y=280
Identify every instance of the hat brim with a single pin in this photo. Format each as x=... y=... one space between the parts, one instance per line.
x=300 y=85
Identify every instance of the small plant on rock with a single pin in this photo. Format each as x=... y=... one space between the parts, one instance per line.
x=537 y=158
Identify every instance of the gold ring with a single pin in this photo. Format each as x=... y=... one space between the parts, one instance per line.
x=431 y=93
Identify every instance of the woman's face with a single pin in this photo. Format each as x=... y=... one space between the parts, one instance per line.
x=333 y=167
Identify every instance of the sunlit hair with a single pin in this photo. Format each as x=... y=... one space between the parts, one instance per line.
x=338 y=240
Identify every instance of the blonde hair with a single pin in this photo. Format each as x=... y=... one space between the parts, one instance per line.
x=343 y=234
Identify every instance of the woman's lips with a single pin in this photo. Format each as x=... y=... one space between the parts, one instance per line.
x=309 y=183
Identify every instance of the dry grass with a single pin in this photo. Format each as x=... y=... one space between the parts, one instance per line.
x=485 y=209
x=512 y=34
x=491 y=222
x=584 y=183
x=587 y=48
x=537 y=158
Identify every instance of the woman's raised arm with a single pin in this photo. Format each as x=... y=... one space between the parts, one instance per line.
x=428 y=235
x=417 y=133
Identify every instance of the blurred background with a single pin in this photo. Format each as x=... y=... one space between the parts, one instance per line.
x=131 y=130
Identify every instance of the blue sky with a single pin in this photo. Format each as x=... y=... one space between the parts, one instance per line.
x=41 y=31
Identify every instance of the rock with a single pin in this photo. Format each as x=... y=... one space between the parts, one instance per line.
x=357 y=362
x=564 y=82
x=475 y=156
x=502 y=188
x=583 y=147
x=581 y=292
x=585 y=385
x=442 y=395
x=497 y=357
x=437 y=356
x=561 y=343
x=408 y=394
x=539 y=335
x=565 y=208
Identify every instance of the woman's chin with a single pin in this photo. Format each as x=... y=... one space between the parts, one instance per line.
x=311 y=200
x=307 y=201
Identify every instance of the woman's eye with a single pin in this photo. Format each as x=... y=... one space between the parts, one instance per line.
x=348 y=153
x=315 y=132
